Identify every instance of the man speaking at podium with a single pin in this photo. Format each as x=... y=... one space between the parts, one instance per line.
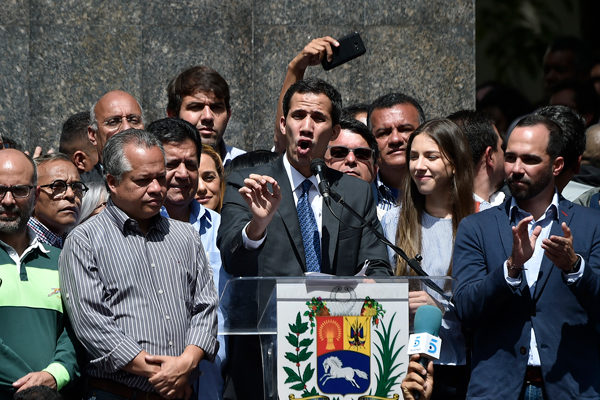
x=272 y=228
x=279 y=224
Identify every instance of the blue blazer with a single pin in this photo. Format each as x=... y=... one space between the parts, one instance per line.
x=564 y=316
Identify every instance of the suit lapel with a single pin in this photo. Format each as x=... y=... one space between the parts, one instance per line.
x=505 y=229
x=547 y=268
x=287 y=209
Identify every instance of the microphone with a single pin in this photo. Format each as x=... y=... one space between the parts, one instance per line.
x=317 y=168
x=425 y=340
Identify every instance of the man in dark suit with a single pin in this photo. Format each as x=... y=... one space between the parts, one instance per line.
x=261 y=232
x=529 y=289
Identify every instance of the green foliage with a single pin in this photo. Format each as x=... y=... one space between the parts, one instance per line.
x=301 y=353
x=316 y=307
x=386 y=360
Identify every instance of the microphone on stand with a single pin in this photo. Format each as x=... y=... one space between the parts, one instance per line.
x=317 y=168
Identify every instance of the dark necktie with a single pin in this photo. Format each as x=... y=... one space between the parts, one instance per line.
x=309 y=229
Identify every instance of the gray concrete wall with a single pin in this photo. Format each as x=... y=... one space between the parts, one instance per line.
x=58 y=57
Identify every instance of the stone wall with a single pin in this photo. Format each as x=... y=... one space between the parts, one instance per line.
x=58 y=57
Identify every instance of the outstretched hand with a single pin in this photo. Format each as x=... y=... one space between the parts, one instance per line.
x=262 y=202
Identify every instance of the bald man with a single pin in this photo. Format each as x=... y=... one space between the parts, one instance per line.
x=114 y=112
x=35 y=347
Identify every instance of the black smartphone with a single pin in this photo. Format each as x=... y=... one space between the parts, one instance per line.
x=350 y=47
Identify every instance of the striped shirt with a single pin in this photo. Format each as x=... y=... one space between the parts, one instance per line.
x=126 y=291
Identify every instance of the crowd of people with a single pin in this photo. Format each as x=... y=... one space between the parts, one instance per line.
x=115 y=249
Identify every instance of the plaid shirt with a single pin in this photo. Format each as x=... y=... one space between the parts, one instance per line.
x=44 y=235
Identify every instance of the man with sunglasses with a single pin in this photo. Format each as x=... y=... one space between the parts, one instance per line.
x=35 y=348
x=59 y=201
x=354 y=151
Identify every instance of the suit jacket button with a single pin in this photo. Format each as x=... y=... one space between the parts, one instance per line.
x=523 y=350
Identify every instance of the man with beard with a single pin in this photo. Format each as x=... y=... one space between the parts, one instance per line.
x=529 y=289
x=35 y=348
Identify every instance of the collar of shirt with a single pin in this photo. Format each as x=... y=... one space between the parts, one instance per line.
x=495 y=199
x=296 y=179
x=129 y=225
x=551 y=213
x=314 y=196
x=44 y=234
x=199 y=213
x=34 y=244
x=230 y=152
x=201 y=217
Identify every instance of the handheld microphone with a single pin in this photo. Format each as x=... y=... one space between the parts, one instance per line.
x=317 y=168
x=425 y=340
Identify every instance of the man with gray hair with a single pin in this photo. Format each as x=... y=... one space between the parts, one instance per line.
x=138 y=286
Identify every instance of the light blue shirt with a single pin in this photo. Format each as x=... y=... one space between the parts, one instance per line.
x=231 y=153
x=207 y=223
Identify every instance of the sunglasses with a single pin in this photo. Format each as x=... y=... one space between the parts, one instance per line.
x=361 y=153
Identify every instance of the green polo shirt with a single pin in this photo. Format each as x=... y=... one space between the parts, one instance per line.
x=32 y=333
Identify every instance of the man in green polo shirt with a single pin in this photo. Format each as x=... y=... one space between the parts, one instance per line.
x=35 y=348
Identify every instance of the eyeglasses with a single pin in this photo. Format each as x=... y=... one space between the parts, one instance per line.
x=361 y=153
x=59 y=188
x=114 y=123
x=18 y=191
